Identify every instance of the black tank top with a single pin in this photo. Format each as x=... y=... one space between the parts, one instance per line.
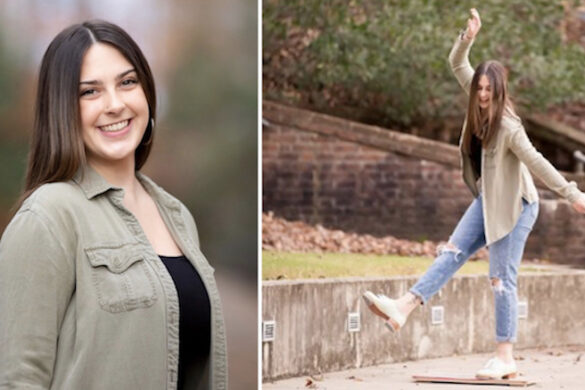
x=194 y=318
x=476 y=146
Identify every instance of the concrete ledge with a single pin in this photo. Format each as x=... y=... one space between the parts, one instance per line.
x=311 y=332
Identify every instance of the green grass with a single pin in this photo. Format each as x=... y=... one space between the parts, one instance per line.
x=287 y=265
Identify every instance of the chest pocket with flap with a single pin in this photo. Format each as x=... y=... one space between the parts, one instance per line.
x=122 y=279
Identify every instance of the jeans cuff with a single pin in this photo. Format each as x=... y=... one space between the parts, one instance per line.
x=506 y=339
x=420 y=296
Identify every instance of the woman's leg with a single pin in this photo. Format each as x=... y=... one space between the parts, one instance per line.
x=505 y=257
x=466 y=239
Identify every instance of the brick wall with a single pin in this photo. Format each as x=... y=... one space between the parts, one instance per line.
x=360 y=178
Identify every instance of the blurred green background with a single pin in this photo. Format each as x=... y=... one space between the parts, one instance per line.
x=204 y=59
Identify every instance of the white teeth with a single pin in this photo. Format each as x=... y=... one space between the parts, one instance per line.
x=115 y=126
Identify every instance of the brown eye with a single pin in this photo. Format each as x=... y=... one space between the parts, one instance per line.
x=87 y=92
x=129 y=82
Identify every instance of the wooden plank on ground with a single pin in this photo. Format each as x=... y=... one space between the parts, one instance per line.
x=472 y=381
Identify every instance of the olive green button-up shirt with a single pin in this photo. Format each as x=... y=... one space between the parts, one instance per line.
x=86 y=303
x=506 y=164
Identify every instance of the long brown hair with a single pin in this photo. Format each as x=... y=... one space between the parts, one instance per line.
x=486 y=127
x=56 y=149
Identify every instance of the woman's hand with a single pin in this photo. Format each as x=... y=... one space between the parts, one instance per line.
x=473 y=24
x=579 y=205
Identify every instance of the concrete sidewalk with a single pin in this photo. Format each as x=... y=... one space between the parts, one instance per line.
x=550 y=368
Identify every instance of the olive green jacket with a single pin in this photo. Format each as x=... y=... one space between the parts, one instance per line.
x=506 y=164
x=86 y=303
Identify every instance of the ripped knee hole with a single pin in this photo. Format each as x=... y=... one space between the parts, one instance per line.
x=497 y=285
x=448 y=247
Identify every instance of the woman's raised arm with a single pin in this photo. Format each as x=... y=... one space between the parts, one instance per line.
x=459 y=56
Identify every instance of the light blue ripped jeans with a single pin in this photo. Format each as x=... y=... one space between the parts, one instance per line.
x=505 y=256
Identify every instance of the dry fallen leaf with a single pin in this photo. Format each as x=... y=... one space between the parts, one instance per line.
x=279 y=234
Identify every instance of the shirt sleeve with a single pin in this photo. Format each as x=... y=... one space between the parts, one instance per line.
x=37 y=279
x=540 y=167
x=459 y=62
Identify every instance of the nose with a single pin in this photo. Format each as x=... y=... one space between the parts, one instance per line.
x=114 y=104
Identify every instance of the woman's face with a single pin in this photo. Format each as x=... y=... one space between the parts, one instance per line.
x=113 y=107
x=484 y=92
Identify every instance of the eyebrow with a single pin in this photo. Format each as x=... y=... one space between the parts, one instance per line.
x=118 y=77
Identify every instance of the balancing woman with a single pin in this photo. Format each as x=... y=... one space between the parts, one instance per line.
x=102 y=283
x=496 y=159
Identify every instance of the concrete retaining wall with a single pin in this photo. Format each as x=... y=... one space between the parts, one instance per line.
x=311 y=333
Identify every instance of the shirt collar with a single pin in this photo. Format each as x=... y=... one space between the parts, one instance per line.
x=157 y=193
x=91 y=182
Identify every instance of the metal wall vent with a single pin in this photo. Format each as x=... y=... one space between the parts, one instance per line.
x=268 y=330
x=437 y=315
x=353 y=322
x=522 y=310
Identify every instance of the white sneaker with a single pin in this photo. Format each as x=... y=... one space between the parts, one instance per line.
x=386 y=308
x=495 y=368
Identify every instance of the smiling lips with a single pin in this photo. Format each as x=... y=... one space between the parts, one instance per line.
x=115 y=126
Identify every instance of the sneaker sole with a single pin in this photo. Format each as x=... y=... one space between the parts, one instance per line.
x=507 y=376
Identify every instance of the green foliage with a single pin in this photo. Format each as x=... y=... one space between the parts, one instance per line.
x=389 y=57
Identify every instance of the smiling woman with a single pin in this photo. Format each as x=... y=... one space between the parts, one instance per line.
x=497 y=162
x=114 y=110
x=102 y=282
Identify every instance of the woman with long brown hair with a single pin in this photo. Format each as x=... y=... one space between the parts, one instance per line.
x=102 y=282
x=497 y=158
